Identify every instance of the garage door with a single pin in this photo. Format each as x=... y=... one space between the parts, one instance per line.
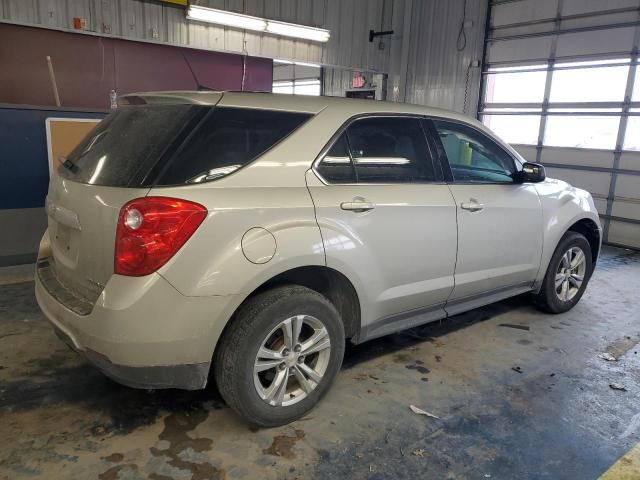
x=560 y=83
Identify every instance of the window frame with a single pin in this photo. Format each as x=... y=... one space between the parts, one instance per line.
x=444 y=159
x=431 y=151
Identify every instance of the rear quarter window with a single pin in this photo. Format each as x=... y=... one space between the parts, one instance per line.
x=225 y=140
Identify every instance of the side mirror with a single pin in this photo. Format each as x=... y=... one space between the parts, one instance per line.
x=532 y=173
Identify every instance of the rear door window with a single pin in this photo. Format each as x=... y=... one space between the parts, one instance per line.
x=390 y=150
x=159 y=145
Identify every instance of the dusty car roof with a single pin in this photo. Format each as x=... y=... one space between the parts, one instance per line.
x=293 y=103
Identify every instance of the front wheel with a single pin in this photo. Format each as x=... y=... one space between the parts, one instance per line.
x=279 y=355
x=567 y=276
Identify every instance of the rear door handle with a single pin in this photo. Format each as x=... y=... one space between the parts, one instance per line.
x=472 y=205
x=357 y=206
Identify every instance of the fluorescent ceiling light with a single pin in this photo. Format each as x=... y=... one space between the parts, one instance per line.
x=228 y=19
x=247 y=22
x=298 y=31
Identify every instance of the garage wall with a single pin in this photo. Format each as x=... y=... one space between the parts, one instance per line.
x=560 y=83
x=349 y=22
x=431 y=59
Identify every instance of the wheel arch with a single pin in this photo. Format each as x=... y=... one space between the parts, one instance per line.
x=332 y=284
x=591 y=232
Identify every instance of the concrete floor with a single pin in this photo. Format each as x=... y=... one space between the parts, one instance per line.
x=512 y=403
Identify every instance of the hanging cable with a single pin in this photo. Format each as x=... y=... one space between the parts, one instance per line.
x=461 y=41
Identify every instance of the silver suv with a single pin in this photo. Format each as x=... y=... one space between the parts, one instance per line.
x=251 y=235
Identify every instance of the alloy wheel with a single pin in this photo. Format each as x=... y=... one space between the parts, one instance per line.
x=570 y=274
x=291 y=360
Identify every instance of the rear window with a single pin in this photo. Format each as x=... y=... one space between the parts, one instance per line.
x=158 y=145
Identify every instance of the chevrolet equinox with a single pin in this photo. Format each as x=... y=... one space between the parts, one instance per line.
x=246 y=236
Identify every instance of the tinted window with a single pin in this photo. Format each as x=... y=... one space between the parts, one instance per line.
x=225 y=140
x=390 y=150
x=336 y=166
x=174 y=144
x=126 y=144
x=474 y=157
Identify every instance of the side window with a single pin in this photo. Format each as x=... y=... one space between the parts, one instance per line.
x=336 y=166
x=472 y=156
x=390 y=150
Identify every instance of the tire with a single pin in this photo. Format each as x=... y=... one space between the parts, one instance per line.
x=551 y=299
x=261 y=322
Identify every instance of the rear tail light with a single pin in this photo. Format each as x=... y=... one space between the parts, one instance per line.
x=151 y=230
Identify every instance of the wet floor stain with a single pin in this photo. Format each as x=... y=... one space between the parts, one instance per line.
x=177 y=442
x=114 y=457
x=622 y=345
x=282 y=445
x=114 y=472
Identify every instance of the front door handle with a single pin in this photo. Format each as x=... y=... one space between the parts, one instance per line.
x=472 y=205
x=357 y=206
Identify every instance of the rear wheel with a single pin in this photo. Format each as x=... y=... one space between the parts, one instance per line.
x=279 y=355
x=567 y=275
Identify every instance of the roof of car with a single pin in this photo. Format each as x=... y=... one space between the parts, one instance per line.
x=292 y=103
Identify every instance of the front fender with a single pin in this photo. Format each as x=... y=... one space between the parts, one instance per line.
x=563 y=206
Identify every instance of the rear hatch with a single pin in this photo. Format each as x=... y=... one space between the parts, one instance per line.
x=110 y=167
x=159 y=141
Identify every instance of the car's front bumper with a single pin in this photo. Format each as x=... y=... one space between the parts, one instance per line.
x=142 y=332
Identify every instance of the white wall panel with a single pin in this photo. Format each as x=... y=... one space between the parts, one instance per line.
x=573 y=7
x=595 y=42
x=578 y=156
x=594 y=182
x=630 y=161
x=624 y=209
x=628 y=186
x=528 y=152
x=519 y=49
x=622 y=233
x=523 y=11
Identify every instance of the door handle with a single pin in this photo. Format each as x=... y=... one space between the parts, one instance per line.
x=357 y=206
x=472 y=205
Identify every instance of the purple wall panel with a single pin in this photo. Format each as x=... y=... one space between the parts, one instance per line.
x=88 y=67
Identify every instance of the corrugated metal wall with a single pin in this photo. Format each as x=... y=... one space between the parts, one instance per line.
x=421 y=57
x=349 y=22
x=440 y=57
x=428 y=63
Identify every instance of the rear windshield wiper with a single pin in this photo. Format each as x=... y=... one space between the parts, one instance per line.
x=68 y=164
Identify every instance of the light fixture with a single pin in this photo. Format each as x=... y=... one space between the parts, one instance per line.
x=257 y=24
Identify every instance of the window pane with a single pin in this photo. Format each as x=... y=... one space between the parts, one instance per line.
x=226 y=140
x=636 y=86
x=307 y=87
x=605 y=84
x=582 y=131
x=124 y=147
x=521 y=129
x=336 y=166
x=515 y=87
x=472 y=156
x=282 y=87
x=632 y=135
x=390 y=150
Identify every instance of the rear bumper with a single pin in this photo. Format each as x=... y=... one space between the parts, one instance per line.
x=187 y=377
x=142 y=332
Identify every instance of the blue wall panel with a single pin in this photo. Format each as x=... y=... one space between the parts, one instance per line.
x=24 y=172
